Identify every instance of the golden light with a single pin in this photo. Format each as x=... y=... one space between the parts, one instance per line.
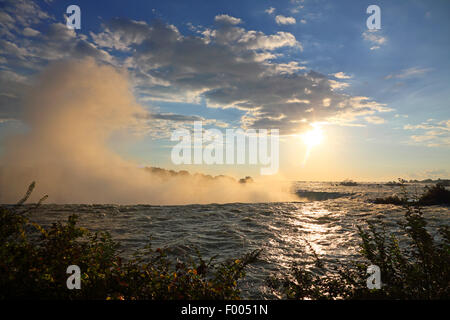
x=313 y=137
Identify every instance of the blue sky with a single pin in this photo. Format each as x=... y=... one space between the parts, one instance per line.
x=382 y=96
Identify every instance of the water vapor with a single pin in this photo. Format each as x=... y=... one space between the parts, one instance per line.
x=71 y=111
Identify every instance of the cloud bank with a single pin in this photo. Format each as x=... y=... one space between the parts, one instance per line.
x=231 y=67
x=224 y=65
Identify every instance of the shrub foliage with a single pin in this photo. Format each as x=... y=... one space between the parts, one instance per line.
x=417 y=266
x=34 y=260
x=433 y=195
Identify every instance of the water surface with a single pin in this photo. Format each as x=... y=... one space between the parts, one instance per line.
x=325 y=216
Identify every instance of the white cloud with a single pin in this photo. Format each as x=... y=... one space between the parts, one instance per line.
x=224 y=18
x=341 y=75
x=270 y=10
x=298 y=101
x=29 y=32
x=285 y=68
x=227 y=66
x=297 y=7
x=430 y=174
x=337 y=85
x=374 y=119
x=376 y=39
x=25 y=13
x=408 y=73
x=431 y=133
x=285 y=20
x=372 y=36
x=126 y=32
x=257 y=40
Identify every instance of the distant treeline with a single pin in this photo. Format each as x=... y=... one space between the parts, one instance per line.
x=444 y=182
x=184 y=173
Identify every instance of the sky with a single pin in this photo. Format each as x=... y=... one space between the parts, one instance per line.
x=381 y=98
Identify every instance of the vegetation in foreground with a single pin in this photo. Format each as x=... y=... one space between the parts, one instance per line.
x=34 y=260
x=416 y=266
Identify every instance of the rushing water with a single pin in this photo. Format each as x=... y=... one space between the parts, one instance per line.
x=326 y=216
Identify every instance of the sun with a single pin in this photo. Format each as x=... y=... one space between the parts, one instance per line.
x=313 y=137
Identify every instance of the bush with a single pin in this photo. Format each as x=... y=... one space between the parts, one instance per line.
x=435 y=195
x=417 y=267
x=34 y=259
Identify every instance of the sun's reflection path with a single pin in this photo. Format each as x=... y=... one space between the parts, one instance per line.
x=314 y=224
x=310 y=227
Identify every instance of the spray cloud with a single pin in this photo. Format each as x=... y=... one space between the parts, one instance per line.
x=71 y=111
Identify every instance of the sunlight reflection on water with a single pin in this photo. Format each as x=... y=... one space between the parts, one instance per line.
x=282 y=230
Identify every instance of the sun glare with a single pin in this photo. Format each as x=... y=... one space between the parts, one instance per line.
x=313 y=137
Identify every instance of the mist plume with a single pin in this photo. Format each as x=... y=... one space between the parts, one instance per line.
x=71 y=111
